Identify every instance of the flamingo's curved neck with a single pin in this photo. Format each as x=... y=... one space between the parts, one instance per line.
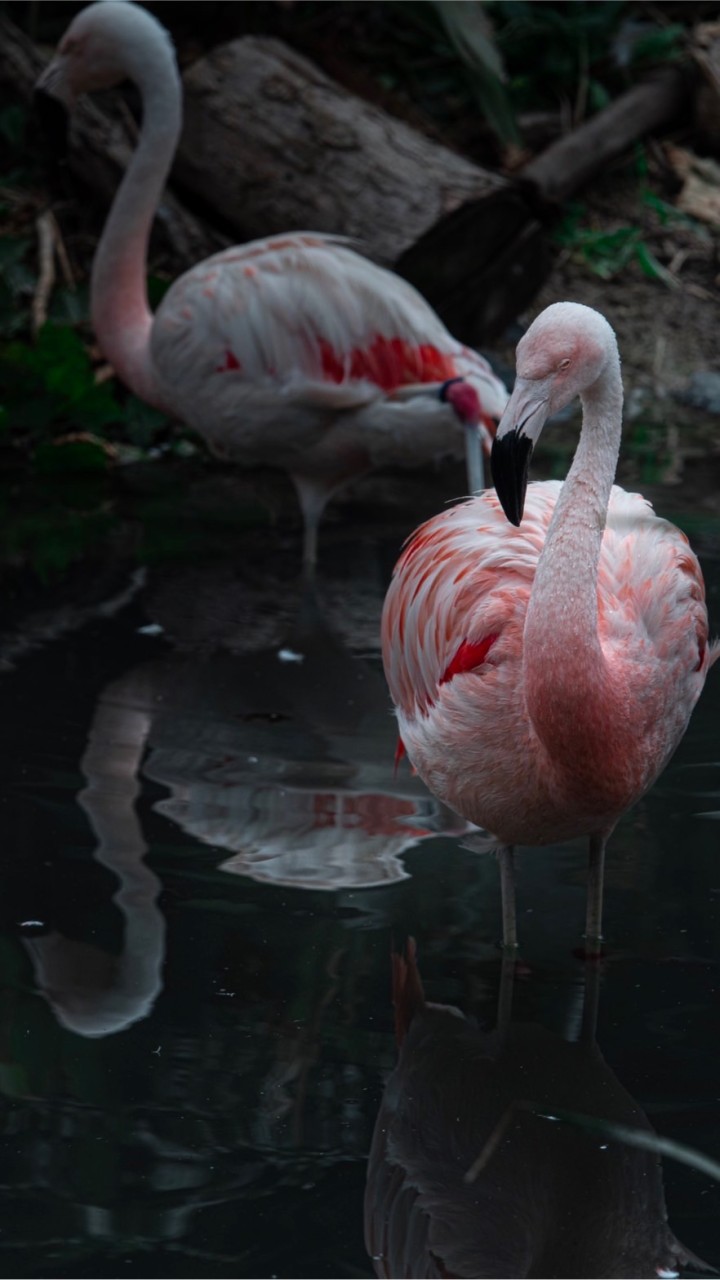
x=567 y=681
x=120 y=312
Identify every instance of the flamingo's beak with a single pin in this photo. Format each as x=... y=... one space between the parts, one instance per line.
x=517 y=433
x=53 y=83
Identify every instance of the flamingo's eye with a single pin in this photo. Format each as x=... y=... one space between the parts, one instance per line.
x=564 y=364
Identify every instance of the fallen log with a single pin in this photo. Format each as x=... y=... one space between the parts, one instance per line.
x=271 y=143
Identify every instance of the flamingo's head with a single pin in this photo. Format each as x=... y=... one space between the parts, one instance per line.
x=469 y=409
x=479 y=426
x=106 y=43
x=563 y=354
x=463 y=399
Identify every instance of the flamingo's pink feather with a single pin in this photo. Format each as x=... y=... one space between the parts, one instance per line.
x=465 y=576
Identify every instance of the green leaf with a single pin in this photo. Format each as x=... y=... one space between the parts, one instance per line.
x=654 y=269
x=60 y=357
x=472 y=35
x=607 y=252
x=663 y=45
x=61 y=366
x=670 y=216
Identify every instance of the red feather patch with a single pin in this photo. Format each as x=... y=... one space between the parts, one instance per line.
x=469 y=656
x=399 y=754
x=231 y=362
x=388 y=362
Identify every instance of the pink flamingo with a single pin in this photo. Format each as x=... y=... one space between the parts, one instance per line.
x=292 y=351
x=543 y=675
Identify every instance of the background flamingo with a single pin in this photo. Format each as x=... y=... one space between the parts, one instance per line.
x=292 y=351
x=543 y=675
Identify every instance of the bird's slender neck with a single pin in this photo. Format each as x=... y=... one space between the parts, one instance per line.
x=120 y=312
x=567 y=681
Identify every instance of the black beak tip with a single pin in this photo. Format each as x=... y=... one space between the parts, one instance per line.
x=509 y=462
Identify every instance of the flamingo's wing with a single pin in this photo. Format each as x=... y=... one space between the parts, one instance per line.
x=305 y=315
x=464 y=577
x=651 y=593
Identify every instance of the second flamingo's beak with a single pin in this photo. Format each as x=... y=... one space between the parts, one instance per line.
x=517 y=434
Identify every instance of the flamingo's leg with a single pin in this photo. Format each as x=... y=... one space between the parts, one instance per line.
x=313 y=497
x=596 y=875
x=505 y=991
x=310 y=543
x=474 y=463
x=591 y=1002
x=506 y=863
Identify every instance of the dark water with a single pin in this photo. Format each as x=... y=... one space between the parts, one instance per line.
x=206 y=864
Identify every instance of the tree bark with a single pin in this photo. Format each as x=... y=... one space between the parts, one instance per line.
x=705 y=50
x=272 y=143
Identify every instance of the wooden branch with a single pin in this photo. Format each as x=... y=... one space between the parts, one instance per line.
x=705 y=50
x=44 y=225
x=571 y=161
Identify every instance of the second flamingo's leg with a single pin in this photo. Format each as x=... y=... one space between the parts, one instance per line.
x=313 y=496
x=474 y=463
x=506 y=862
x=596 y=876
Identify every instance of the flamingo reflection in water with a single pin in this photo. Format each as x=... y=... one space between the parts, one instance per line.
x=281 y=765
x=91 y=991
x=472 y=1172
